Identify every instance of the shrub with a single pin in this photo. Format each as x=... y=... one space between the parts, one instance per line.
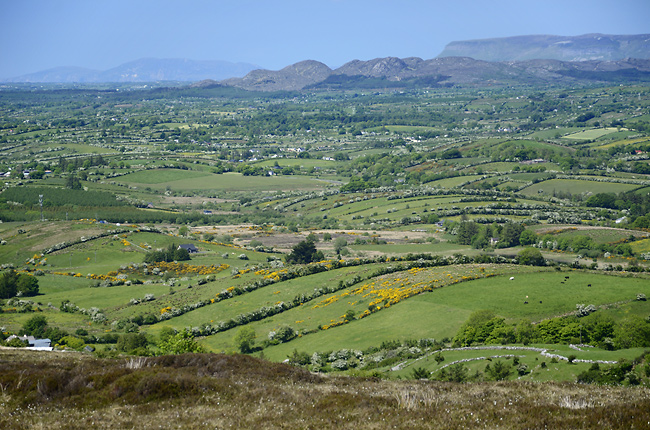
x=498 y=371
x=72 y=342
x=16 y=343
x=583 y=311
x=420 y=373
x=522 y=369
x=282 y=334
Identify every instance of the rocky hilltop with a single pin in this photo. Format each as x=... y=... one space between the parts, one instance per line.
x=394 y=72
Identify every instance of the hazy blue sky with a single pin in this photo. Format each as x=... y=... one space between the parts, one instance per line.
x=100 y=34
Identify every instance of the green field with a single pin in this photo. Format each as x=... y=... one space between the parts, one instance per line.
x=192 y=180
x=441 y=312
x=591 y=134
x=574 y=186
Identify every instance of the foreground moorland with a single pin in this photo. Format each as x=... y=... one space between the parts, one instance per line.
x=420 y=257
x=193 y=391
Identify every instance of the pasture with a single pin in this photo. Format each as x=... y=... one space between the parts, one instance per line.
x=575 y=186
x=591 y=134
x=227 y=182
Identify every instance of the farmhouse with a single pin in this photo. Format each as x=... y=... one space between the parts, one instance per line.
x=189 y=247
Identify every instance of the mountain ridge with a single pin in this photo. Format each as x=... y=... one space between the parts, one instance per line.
x=586 y=47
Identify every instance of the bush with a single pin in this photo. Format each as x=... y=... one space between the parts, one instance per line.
x=72 y=342
x=531 y=257
x=180 y=343
x=172 y=253
x=282 y=334
x=16 y=343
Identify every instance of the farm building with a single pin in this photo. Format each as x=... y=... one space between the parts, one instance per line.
x=189 y=247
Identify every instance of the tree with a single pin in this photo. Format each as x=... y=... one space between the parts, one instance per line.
x=451 y=153
x=498 y=371
x=35 y=326
x=420 y=373
x=340 y=243
x=73 y=183
x=245 y=339
x=8 y=284
x=304 y=252
x=511 y=233
x=180 y=343
x=166 y=333
x=27 y=285
x=456 y=373
x=466 y=231
x=13 y=283
x=129 y=342
x=477 y=328
x=172 y=253
x=531 y=257
x=528 y=237
x=632 y=332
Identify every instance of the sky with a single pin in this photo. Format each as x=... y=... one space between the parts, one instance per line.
x=36 y=35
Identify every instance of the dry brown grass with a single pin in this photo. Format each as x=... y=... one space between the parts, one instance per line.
x=66 y=391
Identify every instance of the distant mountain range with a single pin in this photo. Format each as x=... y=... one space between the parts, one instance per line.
x=143 y=70
x=521 y=59
x=588 y=47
